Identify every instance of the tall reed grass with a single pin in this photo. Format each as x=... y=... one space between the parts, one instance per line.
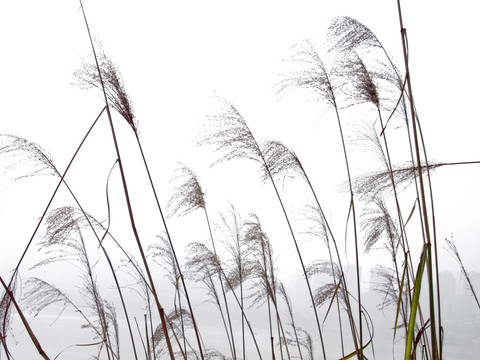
x=228 y=282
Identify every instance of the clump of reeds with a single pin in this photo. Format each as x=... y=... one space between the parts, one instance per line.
x=237 y=265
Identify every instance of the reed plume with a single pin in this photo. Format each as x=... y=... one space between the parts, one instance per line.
x=88 y=77
x=229 y=134
x=20 y=158
x=189 y=196
x=385 y=284
x=6 y=313
x=64 y=241
x=453 y=250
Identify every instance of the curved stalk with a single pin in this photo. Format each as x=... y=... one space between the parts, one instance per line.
x=127 y=198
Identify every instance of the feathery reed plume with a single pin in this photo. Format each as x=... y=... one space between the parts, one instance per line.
x=367 y=139
x=281 y=161
x=202 y=264
x=212 y=354
x=40 y=294
x=161 y=254
x=178 y=322
x=313 y=75
x=306 y=342
x=360 y=38
x=378 y=224
x=452 y=250
x=229 y=134
x=359 y=84
x=18 y=154
x=385 y=284
x=379 y=182
x=88 y=77
x=347 y=34
x=329 y=290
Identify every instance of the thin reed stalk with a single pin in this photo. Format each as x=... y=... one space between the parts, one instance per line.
x=25 y=322
x=434 y=341
x=126 y=193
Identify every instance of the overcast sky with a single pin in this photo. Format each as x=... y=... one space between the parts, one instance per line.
x=172 y=55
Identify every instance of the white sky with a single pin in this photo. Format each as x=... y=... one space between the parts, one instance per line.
x=173 y=54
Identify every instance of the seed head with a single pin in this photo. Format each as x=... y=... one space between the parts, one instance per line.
x=88 y=77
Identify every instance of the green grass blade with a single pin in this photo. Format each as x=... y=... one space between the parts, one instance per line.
x=415 y=303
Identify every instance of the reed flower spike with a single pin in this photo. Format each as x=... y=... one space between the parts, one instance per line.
x=112 y=79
